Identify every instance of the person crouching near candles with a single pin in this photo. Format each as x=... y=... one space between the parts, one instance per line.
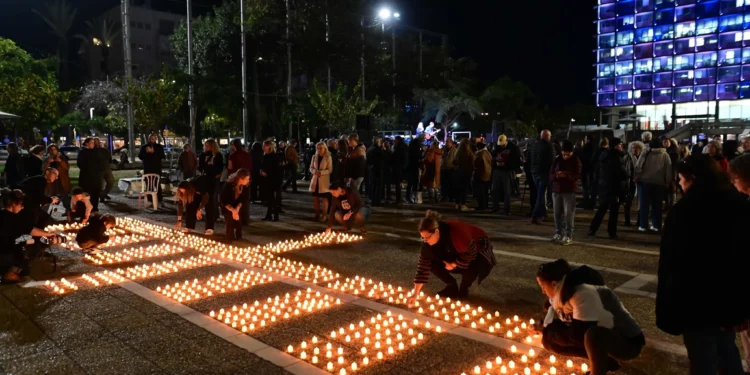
x=347 y=207
x=234 y=192
x=80 y=205
x=702 y=271
x=192 y=197
x=585 y=320
x=452 y=246
x=90 y=237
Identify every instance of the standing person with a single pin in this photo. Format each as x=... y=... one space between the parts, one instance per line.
x=211 y=164
x=387 y=170
x=399 y=163
x=452 y=246
x=708 y=328
x=192 y=197
x=739 y=170
x=674 y=157
x=414 y=161
x=745 y=145
x=11 y=172
x=272 y=175
x=256 y=154
x=356 y=163
x=347 y=208
x=505 y=159
x=106 y=158
x=564 y=174
x=683 y=151
x=291 y=156
x=447 y=167
x=321 y=169
x=32 y=164
x=542 y=156
x=57 y=160
x=586 y=320
x=653 y=173
x=431 y=170
x=613 y=179
x=376 y=165
x=152 y=153
x=482 y=176
x=529 y=179
x=717 y=138
x=585 y=155
x=187 y=163
x=464 y=172
x=715 y=151
x=233 y=194
x=90 y=178
x=241 y=159
x=339 y=161
x=596 y=168
x=634 y=152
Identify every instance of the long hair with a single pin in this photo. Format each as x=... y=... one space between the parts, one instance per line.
x=237 y=143
x=325 y=148
x=343 y=146
x=705 y=174
x=553 y=271
x=50 y=147
x=236 y=176
x=464 y=150
x=187 y=197
x=257 y=146
x=11 y=198
x=213 y=146
x=272 y=150
x=430 y=222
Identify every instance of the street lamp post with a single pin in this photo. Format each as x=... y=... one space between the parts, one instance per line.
x=385 y=15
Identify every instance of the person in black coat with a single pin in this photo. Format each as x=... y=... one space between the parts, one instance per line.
x=613 y=184
x=151 y=155
x=603 y=146
x=542 y=157
x=93 y=234
x=399 y=161
x=271 y=179
x=35 y=189
x=698 y=273
x=233 y=194
x=32 y=164
x=11 y=172
x=193 y=195
x=376 y=164
x=256 y=153
x=90 y=165
x=211 y=164
x=585 y=154
x=413 y=163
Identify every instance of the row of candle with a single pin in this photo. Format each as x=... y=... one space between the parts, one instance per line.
x=498 y=367
x=62 y=286
x=106 y=277
x=312 y=240
x=133 y=253
x=258 y=315
x=230 y=282
x=379 y=337
x=171 y=266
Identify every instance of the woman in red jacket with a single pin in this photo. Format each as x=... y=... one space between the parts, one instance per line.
x=452 y=246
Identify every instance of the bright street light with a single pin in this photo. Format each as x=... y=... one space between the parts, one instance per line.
x=397 y=15
x=97 y=42
x=384 y=14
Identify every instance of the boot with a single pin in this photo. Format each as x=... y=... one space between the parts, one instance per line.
x=419 y=197
x=450 y=290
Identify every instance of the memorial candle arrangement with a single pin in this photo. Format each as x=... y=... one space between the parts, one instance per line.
x=62 y=286
x=171 y=266
x=317 y=239
x=133 y=253
x=527 y=365
x=378 y=338
x=230 y=282
x=250 y=317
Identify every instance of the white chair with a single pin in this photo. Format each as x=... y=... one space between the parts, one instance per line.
x=149 y=187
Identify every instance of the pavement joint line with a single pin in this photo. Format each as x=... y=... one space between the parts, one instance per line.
x=637 y=282
x=497 y=341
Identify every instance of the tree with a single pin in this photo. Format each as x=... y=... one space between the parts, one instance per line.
x=59 y=16
x=100 y=32
x=447 y=105
x=512 y=104
x=106 y=97
x=156 y=102
x=28 y=88
x=339 y=107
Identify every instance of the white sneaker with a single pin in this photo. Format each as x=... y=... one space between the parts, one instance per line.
x=566 y=241
x=653 y=229
x=556 y=238
x=209 y=232
x=642 y=229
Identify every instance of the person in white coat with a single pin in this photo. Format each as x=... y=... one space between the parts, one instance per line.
x=321 y=168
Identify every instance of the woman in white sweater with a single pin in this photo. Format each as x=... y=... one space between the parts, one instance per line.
x=586 y=320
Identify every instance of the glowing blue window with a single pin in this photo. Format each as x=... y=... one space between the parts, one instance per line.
x=644 y=19
x=662 y=96
x=644 y=5
x=684 y=29
x=685 y=13
x=707 y=9
x=606 y=55
x=605 y=100
x=683 y=94
x=663 y=80
x=746 y=56
x=607 y=26
x=664 y=48
x=707 y=26
x=728 y=91
x=663 y=64
x=705 y=76
x=641 y=96
x=684 y=77
x=605 y=84
x=731 y=22
x=746 y=73
x=730 y=57
x=644 y=35
x=607 y=41
x=664 y=16
x=624 y=68
x=626 y=23
x=644 y=66
x=606 y=70
x=684 y=62
x=729 y=74
x=625 y=38
x=731 y=6
x=731 y=39
x=624 y=97
x=607 y=11
x=643 y=51
x=706 y=43
x=664 y=32
x=659 y=4
x=705 y=92
x=624 y=83
x=684 y=45
x=705 y=59
x=643 y=81
x=625 y=7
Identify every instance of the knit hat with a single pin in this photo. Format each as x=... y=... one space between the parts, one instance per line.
x=502 y=140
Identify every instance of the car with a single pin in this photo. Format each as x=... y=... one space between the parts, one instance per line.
x=70 y=151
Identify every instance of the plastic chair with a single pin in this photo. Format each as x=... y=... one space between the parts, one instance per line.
x=149 y=187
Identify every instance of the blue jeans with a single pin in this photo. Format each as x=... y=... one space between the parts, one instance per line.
x=565 y=213
x=650 y=196
x=712 y=351
x=540 y=209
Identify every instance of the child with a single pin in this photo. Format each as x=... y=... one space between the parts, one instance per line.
x=564 y=175
x=92 y=235
x=80 y=205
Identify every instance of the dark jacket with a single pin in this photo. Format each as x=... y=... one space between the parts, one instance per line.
x=92 y=234
x=152 y=161
x=187 y=163
x=257 y=159
x=227 y=197
x=376 y=160
x=12 y=174
x=414 y=161
x=30 y=165
x=240 y=159
x=510 y=156
x=337 y=173
x=271 y=165
x=567 y=183
x=349 y=202
x=400 y=159
x=210 y=164
x=91 y=170
x=585 y=154
x=613 y=174
x=356 y=163
x=106 y=157
x=699 y=274
x=542 y=156
x=34 y=189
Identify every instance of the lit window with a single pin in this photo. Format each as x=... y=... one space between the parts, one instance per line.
x=730 y=55
x=700 y=42
x=678 y=60
x=737 y=37
x=691 y=42
x=746 y=35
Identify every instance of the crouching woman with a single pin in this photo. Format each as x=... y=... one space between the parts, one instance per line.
x=586 y=321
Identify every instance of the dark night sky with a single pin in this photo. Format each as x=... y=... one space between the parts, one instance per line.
x=546 y=44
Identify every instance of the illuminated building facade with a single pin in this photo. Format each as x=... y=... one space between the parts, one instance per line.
x=674 y=60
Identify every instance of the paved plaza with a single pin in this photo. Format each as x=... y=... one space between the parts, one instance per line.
x=291 y=300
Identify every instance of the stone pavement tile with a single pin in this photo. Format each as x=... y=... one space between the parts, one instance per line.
x=150 y=332
x=128 y=320
x=650 y=287
x=21 y=339
x=246 y=342
x=276 y=357
x=457 y=355
x=221 y=330
x=31 y=301
x=113 y=357
x=84 y=340
x=258 y=293
x=104 y=305
x=47 y=362
x=68 y=325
